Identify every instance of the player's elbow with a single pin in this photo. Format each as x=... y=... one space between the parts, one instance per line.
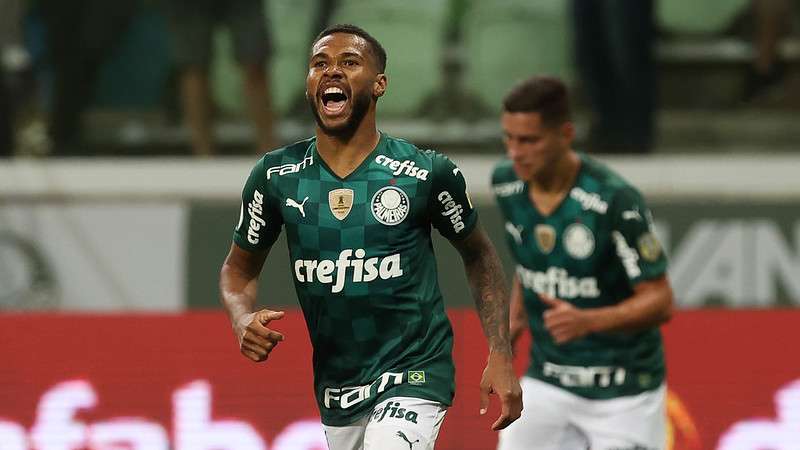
x=668 y=308
x=228 y=270
x=667 y=314
x=225 y=272
x=662 y=300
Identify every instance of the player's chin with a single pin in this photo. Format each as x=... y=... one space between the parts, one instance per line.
x=335 y=127
x=524 y=172
x=334 y=122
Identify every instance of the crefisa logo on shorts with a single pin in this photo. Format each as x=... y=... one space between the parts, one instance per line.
x=390 y=205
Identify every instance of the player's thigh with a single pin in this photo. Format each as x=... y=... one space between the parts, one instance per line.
x=348 y=437
x=404 y=423
x=544 y=421
x=632 y=422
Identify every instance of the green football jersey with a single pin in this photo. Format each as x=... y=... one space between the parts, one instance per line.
x=363 y=265
x=590 y=251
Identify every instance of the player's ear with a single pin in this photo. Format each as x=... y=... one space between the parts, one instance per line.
x=379 y=87
x=568 y=131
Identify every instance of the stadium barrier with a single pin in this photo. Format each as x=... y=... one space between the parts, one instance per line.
x=177 y=381
x=150 y=234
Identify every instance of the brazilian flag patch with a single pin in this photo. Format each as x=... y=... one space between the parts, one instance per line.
x=416 y=376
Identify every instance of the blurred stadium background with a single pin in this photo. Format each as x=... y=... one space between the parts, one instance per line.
x=111 y=336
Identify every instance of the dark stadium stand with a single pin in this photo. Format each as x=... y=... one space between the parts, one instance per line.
x=445 y=91
x=507 y=41
x=412 y=32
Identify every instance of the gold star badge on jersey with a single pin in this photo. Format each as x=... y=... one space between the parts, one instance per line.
x=341 y=202
x=649 y=248
x=545 y=237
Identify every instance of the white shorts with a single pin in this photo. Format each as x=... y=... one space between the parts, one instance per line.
x=555 y=419
x=397 y=423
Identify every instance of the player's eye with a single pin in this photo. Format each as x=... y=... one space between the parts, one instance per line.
x=349 y=63
x=318 y=64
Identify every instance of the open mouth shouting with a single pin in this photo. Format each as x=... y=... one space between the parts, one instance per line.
x=333 y=101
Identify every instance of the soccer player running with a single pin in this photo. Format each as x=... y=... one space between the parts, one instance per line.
x=590 y=284
x=358 y=206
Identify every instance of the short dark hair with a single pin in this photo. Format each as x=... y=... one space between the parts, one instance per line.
x=545 y=95
x=378 y=52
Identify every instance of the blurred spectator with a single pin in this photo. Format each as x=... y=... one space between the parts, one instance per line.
x=323 y=13
x=192 y=23
x=14 y=71
x=6 y=125
x=772 y=19
x=614 y=50
x=81 y=35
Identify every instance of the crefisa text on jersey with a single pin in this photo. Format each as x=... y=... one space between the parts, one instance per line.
x=588 y=200
x=364 y=270
x=405 y=167
x=556 y=282
x=452 y=210
x=256 y=210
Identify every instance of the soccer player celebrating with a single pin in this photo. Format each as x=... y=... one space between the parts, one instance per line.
x=358 y=206
x=590 y=283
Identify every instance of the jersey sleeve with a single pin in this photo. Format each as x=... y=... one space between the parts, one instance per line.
x=637 y=246
x=260 y=220
x=450 y=207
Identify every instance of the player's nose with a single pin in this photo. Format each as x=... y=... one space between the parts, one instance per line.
x=513 y=151
x=332 y=70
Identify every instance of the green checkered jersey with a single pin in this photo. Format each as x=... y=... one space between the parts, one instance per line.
x=363 y=265
x=590 y=251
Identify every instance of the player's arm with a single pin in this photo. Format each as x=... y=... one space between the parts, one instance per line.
x=645 y=265
x=650 y=305
x=452 y=213
x=487 y=283
x=259 y=225
x=486 y=280
x=238 y=283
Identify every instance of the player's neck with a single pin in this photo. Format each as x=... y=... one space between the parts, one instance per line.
x=344 y=154
x=559 y=177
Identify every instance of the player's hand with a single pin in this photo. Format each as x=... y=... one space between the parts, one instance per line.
x=256 y=341
x=499 y=378
x=564 y=321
